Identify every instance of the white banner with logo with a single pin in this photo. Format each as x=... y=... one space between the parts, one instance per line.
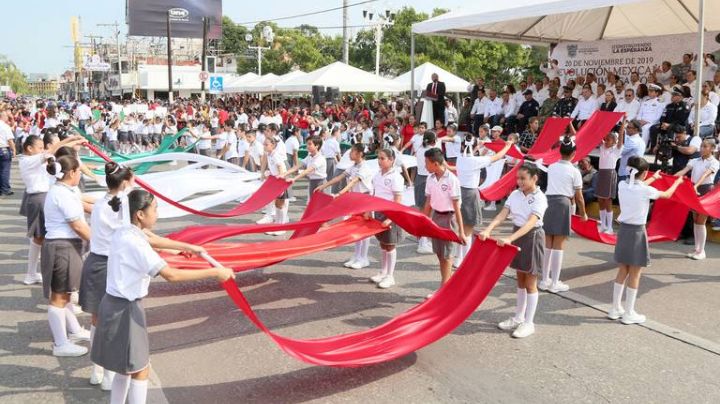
x=624 y=56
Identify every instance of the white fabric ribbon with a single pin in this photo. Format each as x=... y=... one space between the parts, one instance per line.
x=631 y=176
x=59 y=174
x=125 y=208
x=539 y=164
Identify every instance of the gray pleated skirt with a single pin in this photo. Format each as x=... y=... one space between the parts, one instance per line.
x=606 y=183
x=61 y=265
x=443 y=248
x=631 y=247
x=420 y=181
x=392 y=235
x=314 y=184
x=556 y=221
x=93 y=282
x=121 y=339
x=341 y=184
x=470 y=207
x=330 y=167
x=33 y=208
x=532 y=251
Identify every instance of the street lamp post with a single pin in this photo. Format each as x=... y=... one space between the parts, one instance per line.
x=268 y=36
x=378 y=21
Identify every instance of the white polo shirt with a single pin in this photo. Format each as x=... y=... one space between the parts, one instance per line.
x=386 y=186
x=232 y=150
x=563 y=179
x=443 y=191
x=33 y=173
x=221 y=140
x=292 y=144
x=523 y=206
x=275 y=159
x=700 y=165
x=330 y=148
x=452 y=149
x=609 y=157
x=103 y=222
x=256 y=151
x=416 y=141
x=364 y=174
x=469 y=170
x=62 y=206
x=132 y=263
x=318 y=163
x=635 y=201
x=420 y=158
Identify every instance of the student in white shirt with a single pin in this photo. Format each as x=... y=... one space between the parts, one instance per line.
x=103 y=221
x=702 y=175
x=243 y=147
x=452 y=142
x=564 y=183
x=313 y=166
x=61 y=260
x=359 y=179
x=230 y=150
x=429 y=142
x=276 y=165
x=631 y=247
x=527 y=205
x=33 y=172
x=442 y=204
x=253 y=157
x=469 y=169
x=292 y=149
x=606 y=188
x=121 y=338
x=331 y=151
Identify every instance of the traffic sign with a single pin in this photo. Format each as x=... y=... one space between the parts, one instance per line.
x=204 y=76
x=216 y=84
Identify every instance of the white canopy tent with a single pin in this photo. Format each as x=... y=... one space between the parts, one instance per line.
x=423 y=73
x=236 y=84
x=254 y=86
x=338 y=74
x=552 y=21
x=268 y=85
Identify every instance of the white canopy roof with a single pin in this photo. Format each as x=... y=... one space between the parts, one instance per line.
x=338 y=74
x=267 y=84
x=547 y=21
x=254 y=86
x=236 y=84
x=423 y=73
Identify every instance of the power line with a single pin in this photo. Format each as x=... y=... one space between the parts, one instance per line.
x=307 y=14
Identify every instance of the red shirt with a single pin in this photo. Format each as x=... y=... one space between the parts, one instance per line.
x=222 y=116
x=407 y=133
x=303 y=123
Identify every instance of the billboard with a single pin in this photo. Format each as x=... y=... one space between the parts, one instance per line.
x=149 y=17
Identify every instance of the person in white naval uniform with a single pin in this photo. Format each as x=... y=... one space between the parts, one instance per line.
x=650 y=111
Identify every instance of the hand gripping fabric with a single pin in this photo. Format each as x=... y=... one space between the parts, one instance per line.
x=708 y=204
x=269 y=190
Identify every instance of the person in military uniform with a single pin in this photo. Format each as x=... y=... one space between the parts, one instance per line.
x=548 y=106
x=566 y=104
x=528 y=109
x=675 y=113
x=650 y=111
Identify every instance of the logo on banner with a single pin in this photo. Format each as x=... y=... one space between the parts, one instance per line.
x=179 y=14
x=572 y=50
x=216 y=83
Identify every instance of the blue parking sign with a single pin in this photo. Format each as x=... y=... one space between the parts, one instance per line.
x=216 y=84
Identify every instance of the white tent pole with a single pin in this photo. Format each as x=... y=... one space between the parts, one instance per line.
x=412 y=69
x=700 y=62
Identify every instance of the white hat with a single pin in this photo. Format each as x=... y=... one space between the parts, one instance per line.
x=497 y=127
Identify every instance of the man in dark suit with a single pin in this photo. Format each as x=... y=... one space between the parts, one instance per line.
x=436 y=90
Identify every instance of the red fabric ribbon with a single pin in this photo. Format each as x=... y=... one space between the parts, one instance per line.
x=503 y=187
x=549 y=135
x=708 y=204
x=268 y=191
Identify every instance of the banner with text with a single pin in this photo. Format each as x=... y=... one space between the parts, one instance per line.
x=624 y=56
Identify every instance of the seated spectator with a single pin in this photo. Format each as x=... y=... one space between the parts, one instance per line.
x=589 y=177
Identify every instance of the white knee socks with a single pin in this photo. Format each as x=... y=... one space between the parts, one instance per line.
x=384 y=262
x=72 y=324
x=700 y=237
x=630 y=297
x=364 y=248
x=281 y=215
x=602 y=221
x=356 y=256
x=138 y=392
x=556 y=263
x=33 y=258
x=532 y=301
x=547 y=265
x=609 y=219
x=120 y=386
x=617 y=296
x=520 y=305
x=58 y=328
x=391 y=261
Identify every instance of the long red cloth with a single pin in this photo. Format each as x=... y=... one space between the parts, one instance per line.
x=268 y=191
x=416 y=328
x=502 y=187
x=666 y=222
x=708 y=204
x=587 y=138
x=549 y=135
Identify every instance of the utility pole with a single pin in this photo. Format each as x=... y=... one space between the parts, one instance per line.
x=91 y=84
x=346 y=39
x=119 y=58
x=169 y=55
x=203 y=57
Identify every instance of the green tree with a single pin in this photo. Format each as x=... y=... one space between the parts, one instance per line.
x=11 y=76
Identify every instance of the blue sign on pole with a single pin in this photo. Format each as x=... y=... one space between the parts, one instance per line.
x=216 y=84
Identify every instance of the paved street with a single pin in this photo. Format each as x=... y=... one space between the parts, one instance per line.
x=204 y=350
